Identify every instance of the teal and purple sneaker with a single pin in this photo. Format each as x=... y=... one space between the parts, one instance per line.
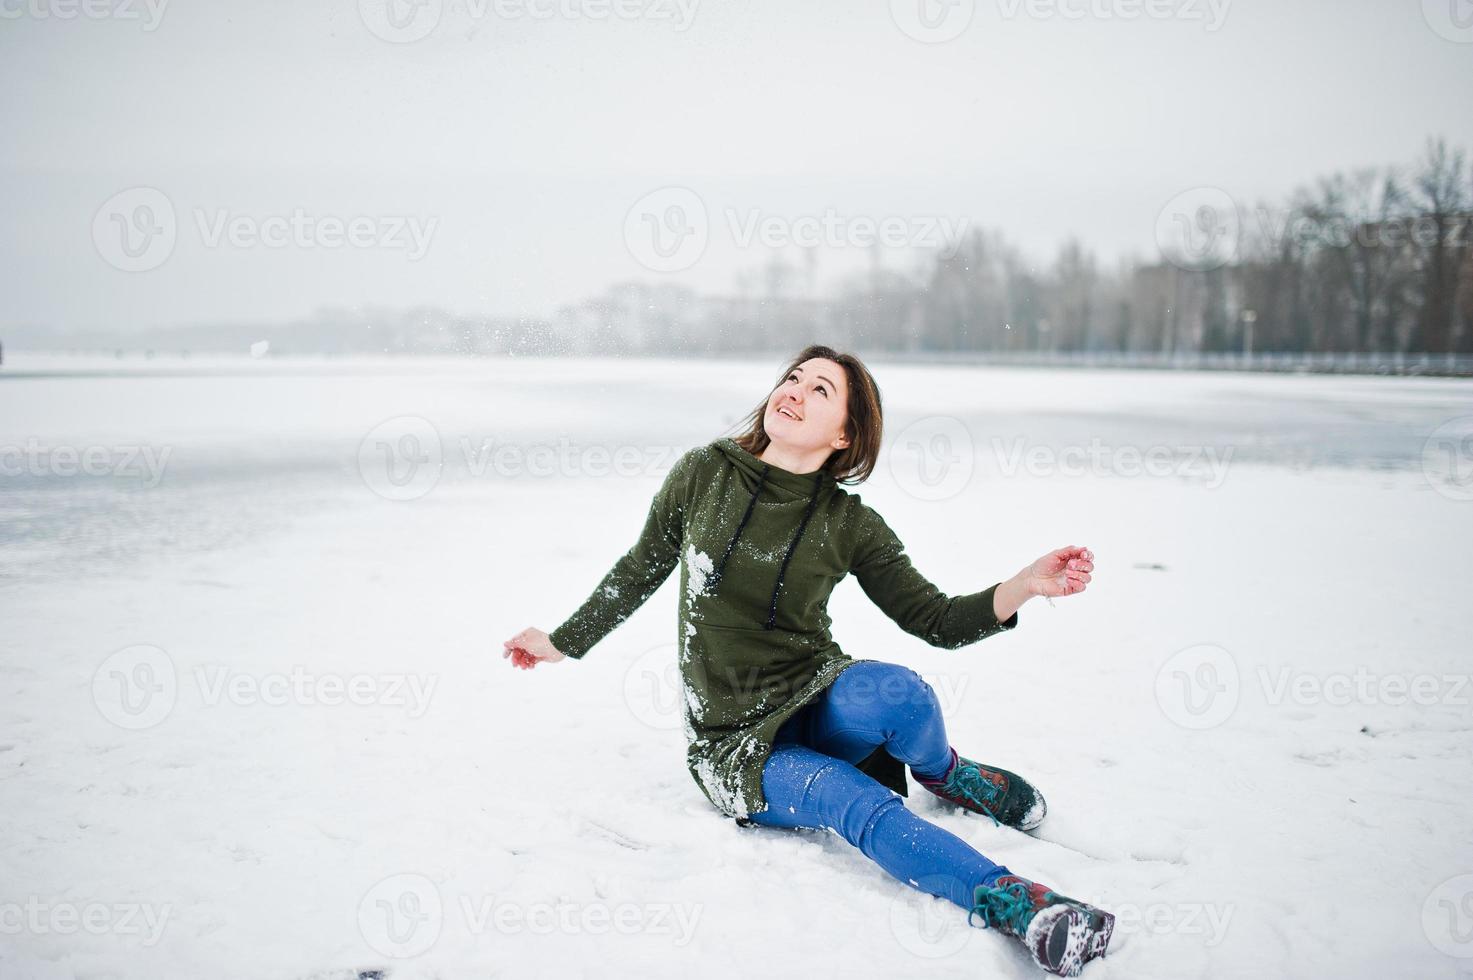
x=1060 y=933
x=1009 y=799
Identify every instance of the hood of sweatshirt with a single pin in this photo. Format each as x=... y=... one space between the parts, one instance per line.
x=759 y=477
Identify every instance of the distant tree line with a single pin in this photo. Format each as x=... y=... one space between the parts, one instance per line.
x=1377 y=260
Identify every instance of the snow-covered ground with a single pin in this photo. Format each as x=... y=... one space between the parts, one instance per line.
x=254 y=720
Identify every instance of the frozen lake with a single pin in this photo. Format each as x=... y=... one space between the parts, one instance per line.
x=1253 y=729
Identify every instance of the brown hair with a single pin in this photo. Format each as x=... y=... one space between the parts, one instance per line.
x=864 y=426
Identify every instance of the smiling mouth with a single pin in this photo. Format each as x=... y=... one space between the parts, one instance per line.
x=788 y=413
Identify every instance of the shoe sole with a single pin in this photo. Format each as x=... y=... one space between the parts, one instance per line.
x=1072 y=940
x=1102 y=926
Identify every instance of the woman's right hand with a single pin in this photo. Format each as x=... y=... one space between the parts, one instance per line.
x=529 y=647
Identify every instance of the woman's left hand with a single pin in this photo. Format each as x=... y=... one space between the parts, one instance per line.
x=1064 y=571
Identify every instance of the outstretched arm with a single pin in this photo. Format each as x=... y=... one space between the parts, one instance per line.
x=635 y=577
x=887 y=575
x=893 y=583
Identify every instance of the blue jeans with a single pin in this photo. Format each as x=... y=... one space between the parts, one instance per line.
x=810 y=779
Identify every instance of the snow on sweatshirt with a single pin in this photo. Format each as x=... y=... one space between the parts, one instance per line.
x=760 y=549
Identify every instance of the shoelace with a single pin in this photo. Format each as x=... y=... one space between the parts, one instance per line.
x=968 y=780
x=1009 y=906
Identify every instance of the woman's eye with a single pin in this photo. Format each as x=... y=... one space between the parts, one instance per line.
x=821 y=388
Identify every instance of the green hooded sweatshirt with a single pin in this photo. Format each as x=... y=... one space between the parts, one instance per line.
x=760 y=549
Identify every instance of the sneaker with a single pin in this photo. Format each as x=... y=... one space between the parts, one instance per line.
x=1009 y=799
x=1060 y=933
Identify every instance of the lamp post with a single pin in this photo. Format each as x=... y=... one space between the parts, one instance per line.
x=1249 y=318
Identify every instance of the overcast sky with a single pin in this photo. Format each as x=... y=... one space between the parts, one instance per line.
x=492 y=156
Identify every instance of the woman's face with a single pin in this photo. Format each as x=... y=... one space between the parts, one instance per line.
x=807 y=411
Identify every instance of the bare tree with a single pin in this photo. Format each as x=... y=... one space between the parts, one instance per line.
x=1439 y=194
x=1075 y=279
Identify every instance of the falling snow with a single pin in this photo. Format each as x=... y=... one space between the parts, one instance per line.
x=1145 y=814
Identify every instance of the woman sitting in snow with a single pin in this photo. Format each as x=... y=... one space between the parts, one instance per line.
x=784 y=728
